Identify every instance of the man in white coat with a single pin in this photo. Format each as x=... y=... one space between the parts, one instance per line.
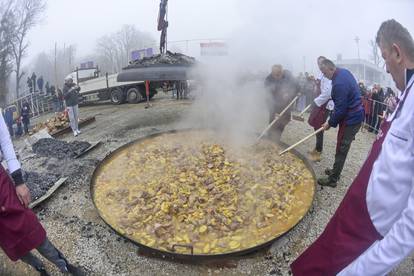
x=372 y=231
x=321 y=107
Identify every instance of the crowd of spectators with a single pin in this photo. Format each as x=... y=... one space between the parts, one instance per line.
x=378 y=102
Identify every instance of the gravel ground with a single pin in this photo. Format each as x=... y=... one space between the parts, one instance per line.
x=75 y=227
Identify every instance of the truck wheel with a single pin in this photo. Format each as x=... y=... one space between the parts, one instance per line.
x=117 y=96
x=133 y=95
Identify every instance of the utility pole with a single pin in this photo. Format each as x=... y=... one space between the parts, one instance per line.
x=70 y=57
x=304 y=64
x=56 y=66
x=359 y=57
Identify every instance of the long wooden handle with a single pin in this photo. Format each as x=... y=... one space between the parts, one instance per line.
x=306 y=109
x=301 y=141
x=277 y=118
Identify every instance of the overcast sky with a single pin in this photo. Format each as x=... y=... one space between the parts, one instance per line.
x=266 y=31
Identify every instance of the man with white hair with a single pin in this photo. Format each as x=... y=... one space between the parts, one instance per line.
x=373 y=229
x=71 y=94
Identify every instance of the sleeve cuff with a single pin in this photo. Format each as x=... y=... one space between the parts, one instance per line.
x=17 y=177
x=332 y=123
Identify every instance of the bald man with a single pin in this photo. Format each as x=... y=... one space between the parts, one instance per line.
x=282 y=88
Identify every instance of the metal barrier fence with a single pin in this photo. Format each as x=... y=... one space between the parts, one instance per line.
x=375 y=113
x=39 y=103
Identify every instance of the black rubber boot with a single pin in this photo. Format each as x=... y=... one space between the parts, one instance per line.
x=42 y=271
x=75 y=270
x=328 y=171
x=327 y=182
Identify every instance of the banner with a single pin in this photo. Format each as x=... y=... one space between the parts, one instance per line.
x=139 y=54
x=214 y=49
x=86 y=65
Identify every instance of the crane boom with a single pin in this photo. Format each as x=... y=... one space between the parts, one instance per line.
x=163 y=25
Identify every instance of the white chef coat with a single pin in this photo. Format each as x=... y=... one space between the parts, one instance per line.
x=390 y=197
x=6 y=147
x=325 y=96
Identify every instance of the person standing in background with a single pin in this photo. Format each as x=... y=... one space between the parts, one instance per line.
x=381 y=107
x=301 y=102
x=367 y=103
x=309 y=89
x=59 y=94
x=40 y=84
x=71 y=94
x=34 y=83
x=47 y=88
x=390 y=103
x=25 y=113
x=30 y=84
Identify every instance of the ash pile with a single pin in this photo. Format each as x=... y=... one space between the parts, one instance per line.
x=53 y=160
x=39 y=184
x=50 y=147
x=168 y=58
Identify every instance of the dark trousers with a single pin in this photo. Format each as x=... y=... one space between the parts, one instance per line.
x=275 y=133
x=343 y=149
x=26 y=127
x=11 y=130
x=319 y=136
x=49 y=251
x=319 y=141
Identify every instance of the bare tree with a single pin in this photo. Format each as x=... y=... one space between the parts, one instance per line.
x=107 y=54
x=114 y=50
x=27 y=14
x=44 y=62
x=6 y=65
x=375 y=57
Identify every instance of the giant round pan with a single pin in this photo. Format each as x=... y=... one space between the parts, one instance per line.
x=186 y=248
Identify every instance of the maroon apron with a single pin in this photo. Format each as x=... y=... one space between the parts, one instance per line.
x=318 y=116
x=20 y=230
x=350 y=232
x=342 y=126
x=340 y=136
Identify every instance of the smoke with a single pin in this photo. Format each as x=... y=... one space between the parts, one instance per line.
x=230 y=98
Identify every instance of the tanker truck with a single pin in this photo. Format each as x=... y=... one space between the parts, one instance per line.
x=95 y=88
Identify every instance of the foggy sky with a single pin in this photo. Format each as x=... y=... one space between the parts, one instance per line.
x=259 y=31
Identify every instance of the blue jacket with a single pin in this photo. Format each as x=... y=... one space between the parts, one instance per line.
x=347 y=98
